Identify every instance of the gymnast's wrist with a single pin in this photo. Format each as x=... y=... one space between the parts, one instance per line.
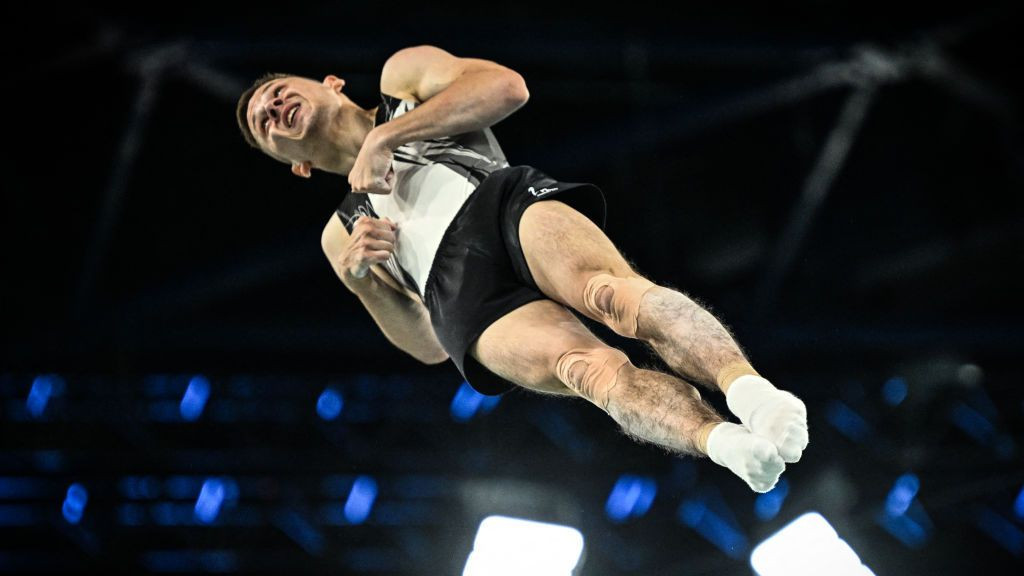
x=358 y=285
x=381 y=138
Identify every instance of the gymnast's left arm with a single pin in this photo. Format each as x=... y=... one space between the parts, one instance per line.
x=455 y=95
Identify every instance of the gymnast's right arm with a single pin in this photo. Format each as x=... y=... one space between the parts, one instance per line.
x=399 y=313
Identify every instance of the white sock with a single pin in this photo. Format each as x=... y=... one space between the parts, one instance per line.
x=748 y=455
x=775 y=414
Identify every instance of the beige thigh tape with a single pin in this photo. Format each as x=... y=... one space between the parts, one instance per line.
x=591 y=372
x=619 y=303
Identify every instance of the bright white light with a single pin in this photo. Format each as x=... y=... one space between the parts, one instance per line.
x=512 y=546
x=807 y=546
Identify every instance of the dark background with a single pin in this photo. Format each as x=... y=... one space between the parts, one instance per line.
x=839 y=182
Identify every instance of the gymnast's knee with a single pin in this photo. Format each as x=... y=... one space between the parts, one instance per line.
x=592 y=372
x=616 y=301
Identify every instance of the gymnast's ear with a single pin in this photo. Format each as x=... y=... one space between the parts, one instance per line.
x=304 y=169
x=334 y=83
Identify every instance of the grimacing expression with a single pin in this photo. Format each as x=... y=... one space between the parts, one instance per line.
x=290 y=118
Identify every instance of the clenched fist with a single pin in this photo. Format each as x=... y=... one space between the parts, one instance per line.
x=372 y=242
x=372 y=171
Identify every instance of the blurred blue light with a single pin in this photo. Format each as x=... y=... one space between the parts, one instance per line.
x=211 y=496
x=912 y=528
x=360 y=499
x=847 y=421
x=300 y=530
x=902 y=494
x=147 y=487
x=563 y=433
x=630 y=497
x=12 y=488
x=488 y=404
x=21 y=515
x=44 y=387
x=466 y=402
x=894 y=391
x=713 y=527
x=173 y=513
x=768 y=505
x=981 y=401
x=74 y=503
x=972 y=422
x=140 y=487
x=691 y=512
x=329 y=404
x=181 y=487
x=195 y=397
x=189 y=561
x=129 y=487
x=163 y=513
x=1018 y=505
x=906 y=530
x=48 y=460
x=1004 y=532
x=131 y=514
x=218 y=561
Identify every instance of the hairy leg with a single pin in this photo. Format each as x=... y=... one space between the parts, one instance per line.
x=661 y=409
x=694 y=343
x=564 y=250
x=574 y=263
x=542 y=347
x=690 y=339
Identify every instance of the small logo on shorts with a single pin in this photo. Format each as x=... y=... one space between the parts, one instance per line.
x=541 y=192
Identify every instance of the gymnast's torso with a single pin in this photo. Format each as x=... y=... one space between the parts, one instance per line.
x=433 y=178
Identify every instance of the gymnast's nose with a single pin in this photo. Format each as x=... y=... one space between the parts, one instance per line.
x=273 y=108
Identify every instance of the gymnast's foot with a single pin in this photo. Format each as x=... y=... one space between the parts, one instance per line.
x=747 y=455
x=774 y=414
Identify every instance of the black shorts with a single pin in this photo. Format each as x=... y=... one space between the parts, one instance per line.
x=480 y=274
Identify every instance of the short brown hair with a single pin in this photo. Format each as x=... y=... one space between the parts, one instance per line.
x=243 y=106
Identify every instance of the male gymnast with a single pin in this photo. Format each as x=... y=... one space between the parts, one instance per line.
x=457 y=254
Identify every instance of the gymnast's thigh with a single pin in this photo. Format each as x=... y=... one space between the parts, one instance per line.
x=524 y=345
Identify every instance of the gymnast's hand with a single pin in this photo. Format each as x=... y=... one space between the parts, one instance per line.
x=372 y=172
x=372 y=242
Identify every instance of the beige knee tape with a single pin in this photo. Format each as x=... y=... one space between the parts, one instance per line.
x=591 y=372
x=619 y=303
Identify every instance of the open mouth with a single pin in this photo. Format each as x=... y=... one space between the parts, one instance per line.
x=292 y=115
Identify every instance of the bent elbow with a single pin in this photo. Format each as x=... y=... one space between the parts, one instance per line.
x=516 y=92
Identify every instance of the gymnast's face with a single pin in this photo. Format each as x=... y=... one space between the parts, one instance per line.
x=307 y=124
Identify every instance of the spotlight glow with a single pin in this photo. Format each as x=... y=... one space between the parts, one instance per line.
x=360 y=500
x=894 y=391
x=74 y=503
x=329 y=404
x=194 y=400
x=513 y=546
x=631 y=497
x=211 y=496
x=807 y=546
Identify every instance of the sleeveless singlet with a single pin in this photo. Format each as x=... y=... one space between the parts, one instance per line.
x=433 y=178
